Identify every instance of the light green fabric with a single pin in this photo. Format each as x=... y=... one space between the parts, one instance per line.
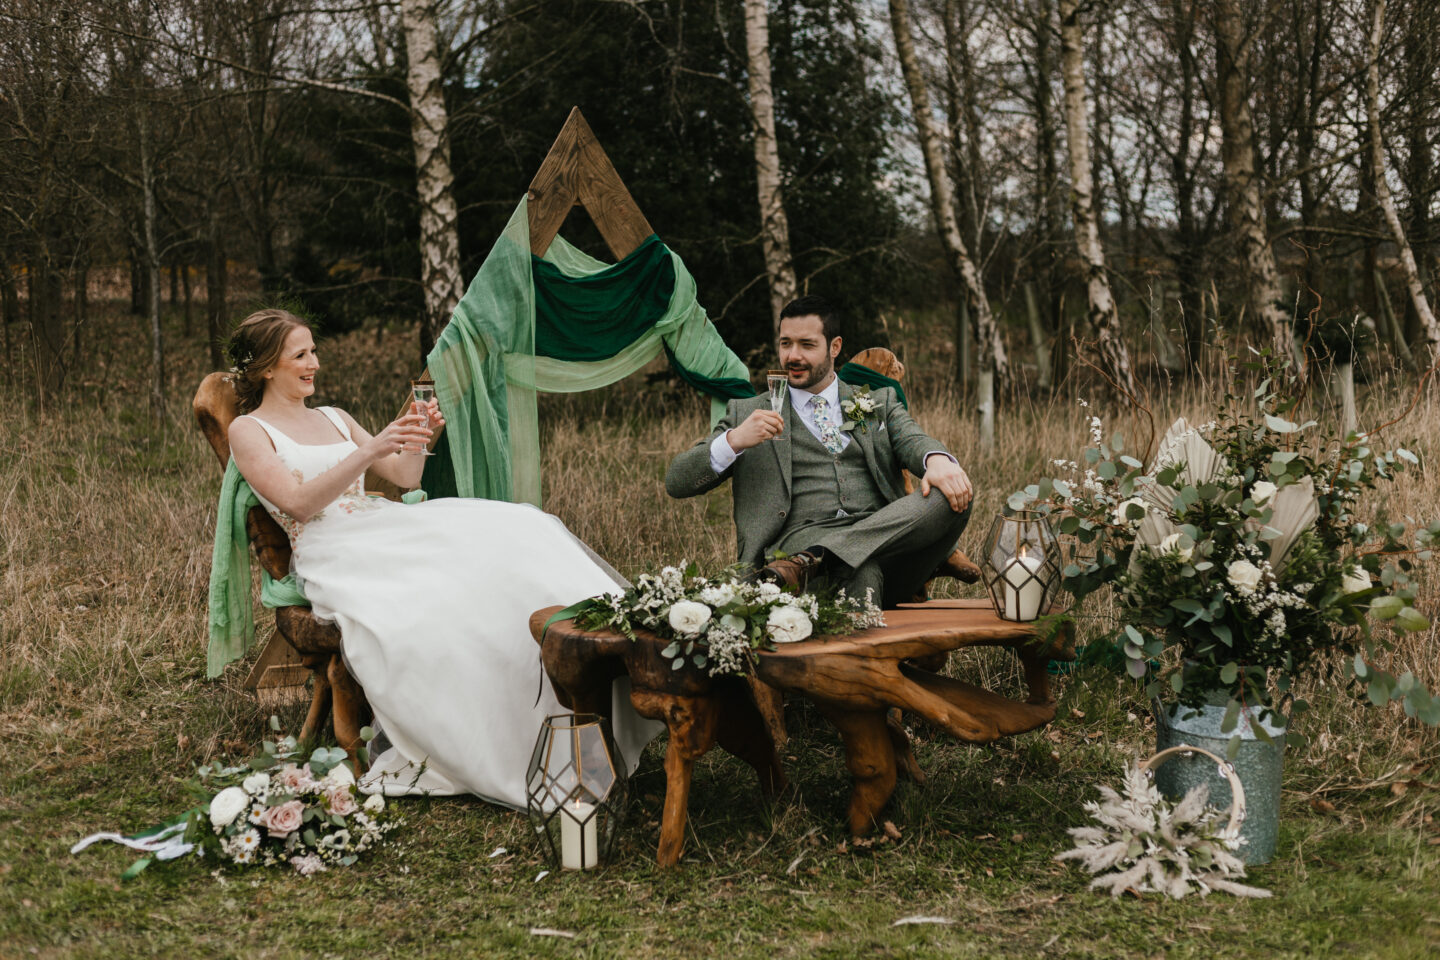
x=486 y=371
x=232 y=621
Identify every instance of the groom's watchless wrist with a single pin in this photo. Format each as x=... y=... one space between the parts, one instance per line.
x=939 y=453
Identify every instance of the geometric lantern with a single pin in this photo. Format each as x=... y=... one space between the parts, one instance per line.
x=576 y=789
x=1021 y=565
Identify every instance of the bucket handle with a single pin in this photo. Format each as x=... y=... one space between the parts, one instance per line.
x=1237 y=792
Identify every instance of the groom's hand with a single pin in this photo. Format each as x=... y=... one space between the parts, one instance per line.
x=760 y=426
x=949 y=478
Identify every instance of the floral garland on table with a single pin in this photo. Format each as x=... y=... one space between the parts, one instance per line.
x=717 y=624
x=276 y=809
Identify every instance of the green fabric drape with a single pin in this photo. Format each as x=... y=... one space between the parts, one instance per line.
x=859 y=375
x=563 y=323
x=232 y=622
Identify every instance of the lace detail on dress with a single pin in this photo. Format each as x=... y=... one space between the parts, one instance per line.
x=309 y=460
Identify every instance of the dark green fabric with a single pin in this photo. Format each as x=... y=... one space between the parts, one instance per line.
x=438 y=479
x=859 y=375
x=595 y=317
x=726 y=388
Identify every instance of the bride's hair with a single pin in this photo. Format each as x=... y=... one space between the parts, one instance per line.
x=254 y=348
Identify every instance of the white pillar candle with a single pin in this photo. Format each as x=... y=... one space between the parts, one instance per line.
x=1023 y=593
x=571 y=815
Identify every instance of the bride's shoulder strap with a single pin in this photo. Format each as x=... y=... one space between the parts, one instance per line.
x=334 y=417
x=273 y=433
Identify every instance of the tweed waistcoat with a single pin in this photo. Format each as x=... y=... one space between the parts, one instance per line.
x=822 y=482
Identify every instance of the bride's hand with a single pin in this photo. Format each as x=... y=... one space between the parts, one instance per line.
x=403 y=431
x=432 y=410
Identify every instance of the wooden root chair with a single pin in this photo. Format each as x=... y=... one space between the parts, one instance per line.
x=317 y=643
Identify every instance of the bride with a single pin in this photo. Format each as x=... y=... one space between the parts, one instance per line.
x=433 y=600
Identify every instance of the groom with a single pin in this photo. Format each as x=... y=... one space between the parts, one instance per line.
x=831 y=501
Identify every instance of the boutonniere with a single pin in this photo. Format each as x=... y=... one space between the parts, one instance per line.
x=858 y=410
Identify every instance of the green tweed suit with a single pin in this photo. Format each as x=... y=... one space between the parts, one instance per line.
x=891 y=544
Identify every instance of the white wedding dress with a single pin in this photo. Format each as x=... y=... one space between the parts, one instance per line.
x=434 y=602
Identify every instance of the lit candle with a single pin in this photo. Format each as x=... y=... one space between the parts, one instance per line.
x=576 y=854
x=1023 y=592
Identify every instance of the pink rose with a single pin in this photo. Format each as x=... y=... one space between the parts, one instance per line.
x=340 y=801
x=285 y=819
x=295 y=779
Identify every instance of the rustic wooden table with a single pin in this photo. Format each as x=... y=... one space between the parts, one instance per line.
x=859 y=682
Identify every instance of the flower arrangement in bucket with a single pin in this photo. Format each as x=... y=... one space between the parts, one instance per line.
x=1241 y=549
x=717 y=624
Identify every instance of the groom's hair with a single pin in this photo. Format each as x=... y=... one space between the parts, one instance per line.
x=812 y=305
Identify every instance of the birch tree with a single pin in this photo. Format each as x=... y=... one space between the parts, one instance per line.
x=435 y=183
x=774 y=227
x=1429 y=328
x=1104 y=315
x=1242 y=181
x=994 y=365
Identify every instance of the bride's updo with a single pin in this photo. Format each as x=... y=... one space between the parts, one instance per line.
x=254 y=348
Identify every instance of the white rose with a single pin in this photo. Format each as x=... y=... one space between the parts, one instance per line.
x=375 y=804
x=1261 y=491
x=1122 y=512
x=788 y=624
x=1243 y=576
x=768 y=589
x=719 y=594
x=339 y=775
x=688 y=618
x=1356 y=581
x=257 y=784
x=732 y=622
x=1171 y=544
x=227 y=805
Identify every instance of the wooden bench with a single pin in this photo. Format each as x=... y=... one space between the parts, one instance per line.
x=857 y=682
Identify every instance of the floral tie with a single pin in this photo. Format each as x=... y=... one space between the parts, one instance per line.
x=829 y=433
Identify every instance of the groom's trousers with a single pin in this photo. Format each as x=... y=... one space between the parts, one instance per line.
x=891 y=551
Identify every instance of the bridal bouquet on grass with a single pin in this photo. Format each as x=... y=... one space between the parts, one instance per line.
x=1242 y=549
x=277 y=809
x=717 y=624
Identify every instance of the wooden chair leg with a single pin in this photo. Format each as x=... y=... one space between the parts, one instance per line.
x=691 y=723
x=870 y=758
x=348 y=702
x=319 y=698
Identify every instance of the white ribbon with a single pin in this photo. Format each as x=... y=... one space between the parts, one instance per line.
x=166 y=844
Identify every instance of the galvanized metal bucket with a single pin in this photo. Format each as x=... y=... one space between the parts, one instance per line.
x=1258 y=765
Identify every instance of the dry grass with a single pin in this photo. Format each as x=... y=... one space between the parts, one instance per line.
x=104 y=558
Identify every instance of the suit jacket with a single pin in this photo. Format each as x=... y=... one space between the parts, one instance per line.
x=761 y=488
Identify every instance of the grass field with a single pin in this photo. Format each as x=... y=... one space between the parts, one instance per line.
x=105 y=525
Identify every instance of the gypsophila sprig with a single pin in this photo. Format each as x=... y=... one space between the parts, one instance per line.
x=718 y=623
x=1240 y=547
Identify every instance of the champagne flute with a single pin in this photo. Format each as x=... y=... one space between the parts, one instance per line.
x=423 y=391
x=778 y=381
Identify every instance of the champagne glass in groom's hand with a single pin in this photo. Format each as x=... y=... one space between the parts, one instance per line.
x=422 y=391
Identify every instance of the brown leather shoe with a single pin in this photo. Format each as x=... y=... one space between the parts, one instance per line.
x=960 y=567
x=792 y=571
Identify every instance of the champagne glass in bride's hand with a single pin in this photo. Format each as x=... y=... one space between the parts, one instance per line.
x=423 y=391
x=778 y=381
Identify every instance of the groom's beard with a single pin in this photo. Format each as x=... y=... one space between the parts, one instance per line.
x=818 y=374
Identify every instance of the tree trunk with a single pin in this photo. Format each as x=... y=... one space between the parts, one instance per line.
x=216 y=293
x=430 y=135
x=1390 y=324
x=1237 y=151
x=1430 y=330
x=1104 y=316
x=1049 y=208
x=47 y=330
x=994 y=365
x=774 y=227
x=82 y=309
x=1189 y=257
x=1038 y=338
x=152 y=268
x=189 y=328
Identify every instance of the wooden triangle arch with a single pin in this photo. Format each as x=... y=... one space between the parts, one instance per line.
x=576 y=172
